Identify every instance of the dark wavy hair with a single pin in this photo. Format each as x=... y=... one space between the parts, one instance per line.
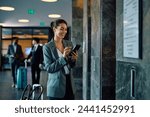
x=56 y=23
x=36 y=39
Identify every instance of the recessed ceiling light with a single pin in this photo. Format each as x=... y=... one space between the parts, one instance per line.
x=7 y=8
x=23 y=20
x=49 y=0
x=54 y=15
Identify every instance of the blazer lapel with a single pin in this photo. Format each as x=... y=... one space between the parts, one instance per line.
x=53 y=47
x=16 y=49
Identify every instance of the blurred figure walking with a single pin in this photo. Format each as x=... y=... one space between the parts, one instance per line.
x=15 y=55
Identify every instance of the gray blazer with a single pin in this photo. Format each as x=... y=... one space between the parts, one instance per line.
x=56 y=84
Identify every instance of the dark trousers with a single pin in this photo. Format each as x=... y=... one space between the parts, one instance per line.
x=69 y=92
x=35 y=70
x=14 y=66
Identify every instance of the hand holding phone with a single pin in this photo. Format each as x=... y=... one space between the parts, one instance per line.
x=76 y=48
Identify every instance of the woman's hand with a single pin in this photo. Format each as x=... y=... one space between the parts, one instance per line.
x=66 y=52
x=74 y=55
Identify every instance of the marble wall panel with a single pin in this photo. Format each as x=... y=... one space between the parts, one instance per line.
x=142 y=80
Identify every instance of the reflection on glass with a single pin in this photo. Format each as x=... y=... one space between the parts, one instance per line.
x=40 y=33
x=22 y=33
x=6 y=33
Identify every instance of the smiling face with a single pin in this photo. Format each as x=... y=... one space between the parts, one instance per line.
x=60 y=31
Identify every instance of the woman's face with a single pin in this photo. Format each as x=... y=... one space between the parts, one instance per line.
x=60 y=31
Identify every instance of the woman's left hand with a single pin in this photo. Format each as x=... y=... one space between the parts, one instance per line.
x=74 y=56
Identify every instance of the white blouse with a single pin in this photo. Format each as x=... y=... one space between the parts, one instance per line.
x=65 y=67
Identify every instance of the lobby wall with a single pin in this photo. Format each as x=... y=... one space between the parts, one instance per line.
x=141 y=85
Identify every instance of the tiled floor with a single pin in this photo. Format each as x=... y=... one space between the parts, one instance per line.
x=9 y=93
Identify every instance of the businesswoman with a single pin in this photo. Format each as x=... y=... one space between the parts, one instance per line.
x=58 y=63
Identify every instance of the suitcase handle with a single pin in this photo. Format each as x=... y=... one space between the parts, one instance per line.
x=30 y=91
x=27 y=89
x=25 y=63
x=34 y=88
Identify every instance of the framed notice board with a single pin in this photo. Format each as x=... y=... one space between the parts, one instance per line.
x=132 y=28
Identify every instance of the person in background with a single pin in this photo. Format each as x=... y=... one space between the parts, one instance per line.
x=58 y=63
x=15 y=55
x=36 y=56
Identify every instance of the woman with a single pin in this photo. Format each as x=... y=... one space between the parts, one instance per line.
x=58 y=63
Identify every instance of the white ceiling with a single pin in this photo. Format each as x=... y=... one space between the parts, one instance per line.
x=42 y=9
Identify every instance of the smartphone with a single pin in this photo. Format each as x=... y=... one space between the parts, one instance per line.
x=76 y=48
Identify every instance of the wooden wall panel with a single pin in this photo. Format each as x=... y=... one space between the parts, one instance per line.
x=25 y=44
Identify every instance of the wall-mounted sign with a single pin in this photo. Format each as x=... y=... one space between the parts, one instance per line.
x=131 y=29
x=31 y=11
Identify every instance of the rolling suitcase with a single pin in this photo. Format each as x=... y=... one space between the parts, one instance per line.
x=34 y=92
x=22 y=77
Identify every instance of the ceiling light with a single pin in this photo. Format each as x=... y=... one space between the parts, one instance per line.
x=49 y=0
x=23 y=20
x=54 y=15
x=6 y=8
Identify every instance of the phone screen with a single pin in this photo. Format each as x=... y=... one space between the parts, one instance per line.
x=76 y=48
